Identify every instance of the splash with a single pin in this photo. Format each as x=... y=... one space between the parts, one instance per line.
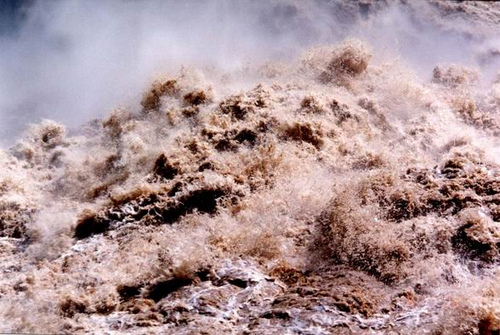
x=336 y=191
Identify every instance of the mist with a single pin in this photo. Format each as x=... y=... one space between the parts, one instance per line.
x=72 y=61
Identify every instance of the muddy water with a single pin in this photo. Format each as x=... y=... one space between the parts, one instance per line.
x=338 y=192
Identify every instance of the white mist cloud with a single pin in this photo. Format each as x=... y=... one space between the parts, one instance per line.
x=74 y=60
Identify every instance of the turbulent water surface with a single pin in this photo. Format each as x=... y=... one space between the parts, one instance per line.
x=346 y=179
